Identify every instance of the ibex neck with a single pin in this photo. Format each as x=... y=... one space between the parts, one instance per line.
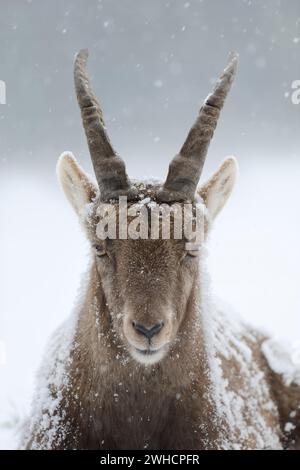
x=174 y=390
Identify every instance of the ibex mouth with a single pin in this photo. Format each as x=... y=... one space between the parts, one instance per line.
x=148 y=351
x=148 y=356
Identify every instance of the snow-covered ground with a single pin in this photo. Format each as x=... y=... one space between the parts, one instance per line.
x=254 y=264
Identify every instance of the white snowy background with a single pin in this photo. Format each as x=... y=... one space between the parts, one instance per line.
x=152 y=63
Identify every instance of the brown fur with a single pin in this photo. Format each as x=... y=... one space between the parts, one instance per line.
x=112 y=400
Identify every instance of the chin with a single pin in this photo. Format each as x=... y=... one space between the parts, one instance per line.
x=148 y=357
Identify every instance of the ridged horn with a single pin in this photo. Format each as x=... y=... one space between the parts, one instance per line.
x=108 y=166
x=185 y=169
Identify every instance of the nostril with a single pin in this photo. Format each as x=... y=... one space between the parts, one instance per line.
x=140 y=328
x=156 y=328
x=148 y=332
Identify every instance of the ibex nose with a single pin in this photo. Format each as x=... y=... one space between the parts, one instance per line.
x=148 y=332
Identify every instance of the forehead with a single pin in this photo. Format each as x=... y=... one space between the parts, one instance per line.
x=155 y=254
x=145 y=217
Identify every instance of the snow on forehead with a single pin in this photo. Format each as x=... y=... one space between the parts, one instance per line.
x=147 y=196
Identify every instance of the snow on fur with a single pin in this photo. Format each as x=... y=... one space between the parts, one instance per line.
x=283 y=359
x=226 y=338
x=244 y=411
x=53 y=375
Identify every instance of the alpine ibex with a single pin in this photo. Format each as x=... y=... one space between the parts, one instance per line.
x=147 y=360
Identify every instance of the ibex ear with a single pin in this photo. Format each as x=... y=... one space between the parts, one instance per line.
x=218 y=188
x=77 y=185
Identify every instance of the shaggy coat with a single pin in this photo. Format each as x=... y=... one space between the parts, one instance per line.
x=147 y=360
x=213 y=388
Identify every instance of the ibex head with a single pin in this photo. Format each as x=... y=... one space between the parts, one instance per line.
x=147 y=283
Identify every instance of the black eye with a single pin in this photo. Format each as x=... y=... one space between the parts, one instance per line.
x=100 y=250
x=193 y=253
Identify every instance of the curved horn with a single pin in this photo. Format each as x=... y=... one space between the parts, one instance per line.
x=109 y=168
x=185 y=169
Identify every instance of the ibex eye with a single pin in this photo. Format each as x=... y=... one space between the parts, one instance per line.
x=192 y=253
x=100 y=250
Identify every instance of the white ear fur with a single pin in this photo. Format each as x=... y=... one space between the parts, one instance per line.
x=77 y=185
x=216 y=191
